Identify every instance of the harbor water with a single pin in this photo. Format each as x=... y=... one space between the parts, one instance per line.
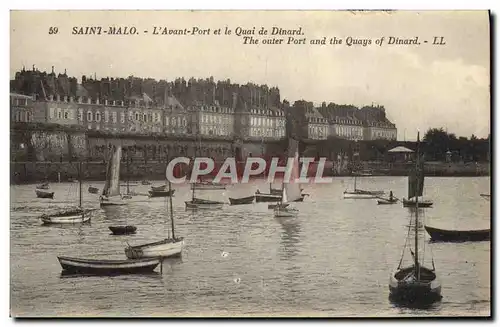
x=333 y=260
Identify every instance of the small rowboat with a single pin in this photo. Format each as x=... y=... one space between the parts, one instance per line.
x=245 y=200
x=44 y=186
x=66 y=217
x=458 y=235
x=161 y=194
x=158 y=188
x=262 y=197
x=122 y=230
x=387 y=201
x=422 y=203
x=93 y=190
x=108 y=267
x=44 y=194
x=203 y=204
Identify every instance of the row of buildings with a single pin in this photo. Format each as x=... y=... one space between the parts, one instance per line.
x=204 y=108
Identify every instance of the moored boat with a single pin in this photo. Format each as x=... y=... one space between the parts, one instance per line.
x=283 y=205
x=44 y=194
x=123 y=230
x=111 y=195
x=263 y=197
x=203 y=204
x=43 y=186
x=158 y=188
x=446 y=235
x=362 y=194
x=145 y=182
x=160 y=194
x=205 y=185
x=422 y=203
x=93 y=190
x=66 y=217
x=245 y=200
x=291 y=191
x=387 y=201
x=107 y=267
x=168 y=247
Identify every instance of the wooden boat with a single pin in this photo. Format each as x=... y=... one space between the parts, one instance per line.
x=43 y=186
x=203 y=204
x=446 y=235
x=291 y=191
x=160 y=194
x=44 y=194
x=485 y=196
x=123 y=230
x=362 y=194
x=416 y=284
x=422 y=203
x=108 y=267
x=93 y=190
x=169 y=247
x=158 y=188
x=387 y=201
x=265 y=197
x=69 y=215
x=245 y=200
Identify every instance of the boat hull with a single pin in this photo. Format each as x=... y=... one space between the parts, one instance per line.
x=163 y=249
x=355 y=195
x=283 y=212
x=196 y=205
x=70 y=219
x=160 y=194
x=421 y=204
x=44 y=194
x=405 y=290
x=107 y=267
x=444 y=235
x=113 y=201
x=259 y=197
x=382 y=201
x=246 y=200
x=274 y=206
x=93 y=190
x=122 y=230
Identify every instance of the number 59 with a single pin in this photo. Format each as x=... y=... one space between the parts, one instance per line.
x=53 y=30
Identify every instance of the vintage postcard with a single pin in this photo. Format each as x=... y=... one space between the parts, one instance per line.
x=250 y=163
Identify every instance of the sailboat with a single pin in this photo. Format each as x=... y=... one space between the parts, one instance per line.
x=291 y=190
x=415 y=284
x=412 y=183
x=111 y=192
x=361 y=194
x=169 y=247
x=72 y=215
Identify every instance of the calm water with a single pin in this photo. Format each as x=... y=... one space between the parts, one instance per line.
x=335 y=259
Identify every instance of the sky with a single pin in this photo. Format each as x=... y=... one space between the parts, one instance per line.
x=421 y=86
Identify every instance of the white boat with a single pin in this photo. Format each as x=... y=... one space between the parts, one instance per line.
x=111 y=195
x=69 y=215
x=361 y=194
x=169 y=247
x=291 y=190
x=208 y=185
x=415 y=284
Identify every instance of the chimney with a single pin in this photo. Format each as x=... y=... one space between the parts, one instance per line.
x=65 y=98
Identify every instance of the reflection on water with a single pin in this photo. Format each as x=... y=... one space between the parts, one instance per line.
x=334 y=259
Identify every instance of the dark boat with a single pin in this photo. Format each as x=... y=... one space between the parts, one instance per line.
x=93 y=190
x=421 y=203
x=446 y=235
x=263 y=197
x=160 y=194
x=415 y=285
x=122 y=230
x=388 y=201
x=108 y=267
x=485 y=196
x=44 y=194
x=246 y=200
x=158 y=188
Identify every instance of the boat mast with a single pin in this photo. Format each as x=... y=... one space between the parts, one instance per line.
x=417 y=172
x=171 y=209
x=128 y=162
x=80 y=182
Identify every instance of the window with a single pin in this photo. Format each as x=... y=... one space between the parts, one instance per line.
x=80 y=114
x=136 y=116
x=66 y=115
x=97 y=116
x=122 y=117
x=89 y=116
x=106 y=116
x=59 y=114
x=167 y=121
x=114 y=116
x=144 y=118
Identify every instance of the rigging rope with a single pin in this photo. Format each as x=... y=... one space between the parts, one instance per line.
x=406 y=242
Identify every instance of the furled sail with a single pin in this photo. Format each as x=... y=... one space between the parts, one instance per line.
x=416 y=180
x=291 y=190
x=112 y=186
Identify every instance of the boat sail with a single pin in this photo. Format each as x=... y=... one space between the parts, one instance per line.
x=359 y=193
x=415 y=284
x=416 y=183
x=291 y=189
x=169 y=247
x=70 y=215
x=111 y=192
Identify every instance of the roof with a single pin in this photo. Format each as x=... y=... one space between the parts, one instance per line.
x=81 y=91
x=400 y=149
